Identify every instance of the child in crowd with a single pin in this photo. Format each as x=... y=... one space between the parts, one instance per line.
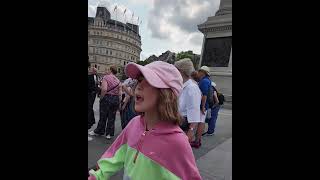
x=152 y=146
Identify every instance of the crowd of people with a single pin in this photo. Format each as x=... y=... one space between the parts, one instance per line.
x=194 y=104
x=114 y=96
x=163 y=109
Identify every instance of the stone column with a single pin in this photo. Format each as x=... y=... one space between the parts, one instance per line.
x=230 y=62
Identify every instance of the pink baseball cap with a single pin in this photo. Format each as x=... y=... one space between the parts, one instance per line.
x=158 y=74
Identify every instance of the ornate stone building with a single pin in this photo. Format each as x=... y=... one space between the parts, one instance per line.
x=112 y=42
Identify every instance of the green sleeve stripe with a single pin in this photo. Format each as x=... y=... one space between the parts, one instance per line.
x=109 y=166
x=145 y=168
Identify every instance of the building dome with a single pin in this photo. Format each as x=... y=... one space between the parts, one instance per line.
x=111 y=42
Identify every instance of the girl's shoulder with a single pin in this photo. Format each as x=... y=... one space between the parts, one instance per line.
x=134 y=124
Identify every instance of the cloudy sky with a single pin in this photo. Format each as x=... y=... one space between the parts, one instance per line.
x=166 y=24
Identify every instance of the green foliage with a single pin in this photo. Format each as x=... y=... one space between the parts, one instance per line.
x=145 y=62
x=187 y=54
x=142 y=62
x=180 y=55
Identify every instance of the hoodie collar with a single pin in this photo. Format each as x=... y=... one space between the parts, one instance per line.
x=162 y=127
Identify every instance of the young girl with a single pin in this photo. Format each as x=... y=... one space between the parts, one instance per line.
x=152 y=146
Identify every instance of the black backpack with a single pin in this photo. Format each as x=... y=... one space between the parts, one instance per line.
x=220 y=97
x=210 y=98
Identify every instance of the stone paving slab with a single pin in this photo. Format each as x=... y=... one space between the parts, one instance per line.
x=217 y=163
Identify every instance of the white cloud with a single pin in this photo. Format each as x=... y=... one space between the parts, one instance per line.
x=185 y=14
x=196 y=38
x=91 y=10
x=147 y=2
x=175 y=22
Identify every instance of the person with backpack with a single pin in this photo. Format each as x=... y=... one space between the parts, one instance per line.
x=110 y=99
x=214 y=105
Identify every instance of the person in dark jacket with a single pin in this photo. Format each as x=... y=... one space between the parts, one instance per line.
x=91 y=96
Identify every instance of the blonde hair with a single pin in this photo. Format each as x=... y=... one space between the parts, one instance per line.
x=185 y=66
x=168 y=107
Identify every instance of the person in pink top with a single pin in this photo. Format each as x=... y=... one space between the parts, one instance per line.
x=152 y=146
x=109 y=103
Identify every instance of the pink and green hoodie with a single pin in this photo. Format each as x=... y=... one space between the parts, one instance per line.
x=161 y=153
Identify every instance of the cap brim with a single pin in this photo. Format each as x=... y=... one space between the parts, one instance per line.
x=204 y=71
x=133 y=70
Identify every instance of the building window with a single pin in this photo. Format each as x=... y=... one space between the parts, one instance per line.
x=124 y=63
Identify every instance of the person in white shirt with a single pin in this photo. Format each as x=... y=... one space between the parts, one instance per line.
x=189 y=99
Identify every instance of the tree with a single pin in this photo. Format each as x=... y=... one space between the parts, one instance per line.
x=187 y=54
x=142 y=63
